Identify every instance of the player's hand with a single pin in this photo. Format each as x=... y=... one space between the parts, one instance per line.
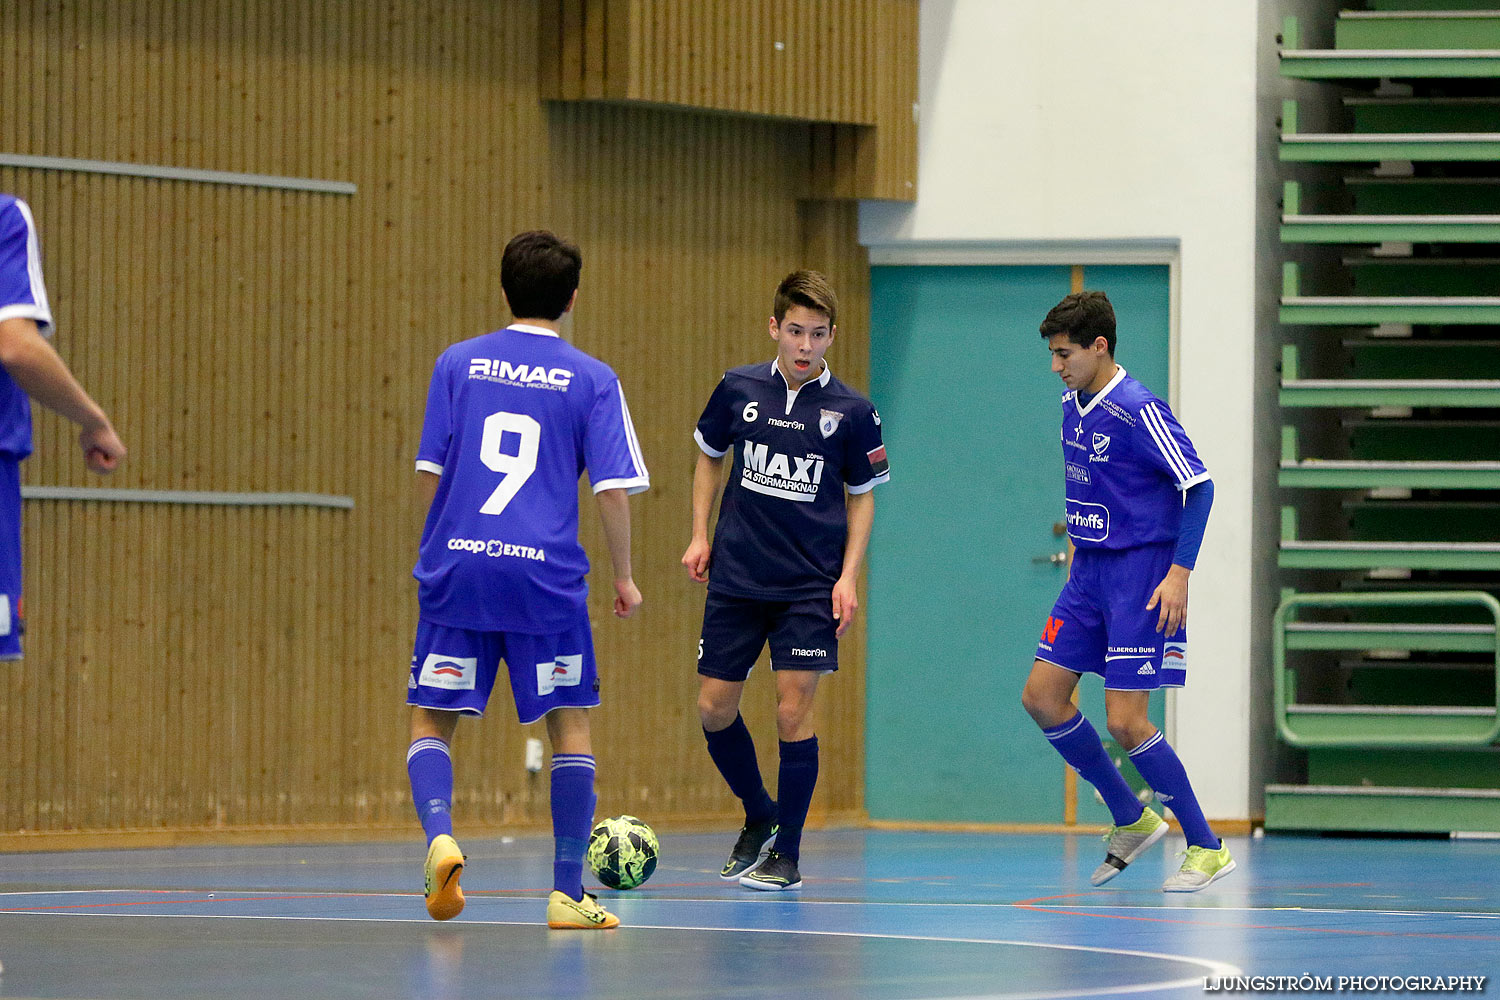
x=1171 y=594
x=696 y=559
x=627 y=598
x=845 y=604
x=102 y=448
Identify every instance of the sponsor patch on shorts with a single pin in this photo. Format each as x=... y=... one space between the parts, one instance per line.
x=455 y=673
x=565 y=671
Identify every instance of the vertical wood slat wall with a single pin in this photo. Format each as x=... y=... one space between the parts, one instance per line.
x=196 y=669
x=850 y=65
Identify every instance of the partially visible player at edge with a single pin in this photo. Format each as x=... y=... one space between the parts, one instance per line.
x=513 y=419
x=1137 y=503
x=785 y=557
x=32 y=369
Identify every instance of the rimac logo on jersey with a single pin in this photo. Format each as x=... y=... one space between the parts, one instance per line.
x=455 y=673
x=1088 y=522
x=828 y=422
x=506 y=373
x=777 y=475
x=565 y=671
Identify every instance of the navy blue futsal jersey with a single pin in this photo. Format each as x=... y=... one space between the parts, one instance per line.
x=22 y=294
x=782 y=523
x=513 y=419
x=1126 y=461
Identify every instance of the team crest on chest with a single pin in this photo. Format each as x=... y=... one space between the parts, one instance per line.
x=1101 y=443
x=828 y=421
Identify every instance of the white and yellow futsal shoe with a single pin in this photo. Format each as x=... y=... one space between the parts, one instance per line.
x=567 y=914
x=1202 y=867
x=445 y=862
x=1123 y=844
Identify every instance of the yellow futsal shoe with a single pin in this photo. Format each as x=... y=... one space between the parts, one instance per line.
x=1200 y=868
x=567 y=914
x=445 y=862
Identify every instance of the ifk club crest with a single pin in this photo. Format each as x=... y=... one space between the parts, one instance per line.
x=828 y=421
x=1101 y=443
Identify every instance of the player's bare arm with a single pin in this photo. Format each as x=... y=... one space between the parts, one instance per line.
x=44 y=376
x=614 y=512
x=860 y=508
x=706 y=477
x=1172 y=595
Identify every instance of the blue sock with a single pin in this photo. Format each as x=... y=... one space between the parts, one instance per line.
x=431 y=772
x=1080 y=746
x=572 y=816
x=733 y=753
x=794 y=791
x=1163 y=771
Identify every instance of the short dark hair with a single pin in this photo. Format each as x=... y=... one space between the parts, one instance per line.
x=539 y=272
x=807 y=289
x=1083 y=317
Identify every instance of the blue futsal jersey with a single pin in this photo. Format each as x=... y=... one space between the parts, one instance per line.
x=513 y=419
x=782 y=522
x=1126 y=462
x=22 y=294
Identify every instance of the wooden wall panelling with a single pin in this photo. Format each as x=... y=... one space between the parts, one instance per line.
x=195 y=668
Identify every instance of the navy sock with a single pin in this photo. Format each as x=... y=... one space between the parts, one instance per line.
x=431 y=772
x=573 y=802
x=794 y=791
x=1163 y=771
x=733 y=753
x=1080 y=746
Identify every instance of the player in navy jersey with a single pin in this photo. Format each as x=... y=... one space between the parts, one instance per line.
x=32 y=369
x=783 y=562
x=1137 y=502
x=513 y=419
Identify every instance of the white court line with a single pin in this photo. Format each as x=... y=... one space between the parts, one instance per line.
x=1223 y=970
x=767 y=899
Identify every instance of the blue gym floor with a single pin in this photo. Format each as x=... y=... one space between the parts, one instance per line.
x=881 y=915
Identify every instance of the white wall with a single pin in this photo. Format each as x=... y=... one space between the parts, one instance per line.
x=1096 y=120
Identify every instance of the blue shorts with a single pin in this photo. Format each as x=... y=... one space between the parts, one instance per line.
x=1100 y=624
x=11 y=622
x=736 y=629
x=454 y=669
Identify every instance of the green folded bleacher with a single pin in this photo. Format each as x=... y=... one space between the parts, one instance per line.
x=1386 y=645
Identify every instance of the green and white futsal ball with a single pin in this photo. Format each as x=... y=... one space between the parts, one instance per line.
x=622 y=852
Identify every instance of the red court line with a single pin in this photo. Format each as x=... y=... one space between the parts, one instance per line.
x=1026 y=904
x=165 y=902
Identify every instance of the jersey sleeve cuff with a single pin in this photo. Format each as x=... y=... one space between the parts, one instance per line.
x=26 y=310
x=708 y=449
x=639 y=484
x=432 y=467
x=1201 y=477
x=866 y=487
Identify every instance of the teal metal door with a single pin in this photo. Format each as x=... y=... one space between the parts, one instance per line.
x=960 y=577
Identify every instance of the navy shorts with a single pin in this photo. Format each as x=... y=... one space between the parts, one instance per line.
x=454 y=669
x=1100 y=624
x=735 y=629
x=11 y=623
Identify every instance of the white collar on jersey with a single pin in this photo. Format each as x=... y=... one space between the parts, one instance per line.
x=1084 y=410
x=822 y=379
x=791 y=394
x=540 y=331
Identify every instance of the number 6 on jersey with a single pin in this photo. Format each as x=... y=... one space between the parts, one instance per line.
x=514 y=469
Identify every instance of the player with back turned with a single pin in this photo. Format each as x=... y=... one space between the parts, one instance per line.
x=783 y=561
x=1137 y=503
x=513 y=419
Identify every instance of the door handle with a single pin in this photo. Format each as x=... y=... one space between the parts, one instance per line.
x=1055 y=558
